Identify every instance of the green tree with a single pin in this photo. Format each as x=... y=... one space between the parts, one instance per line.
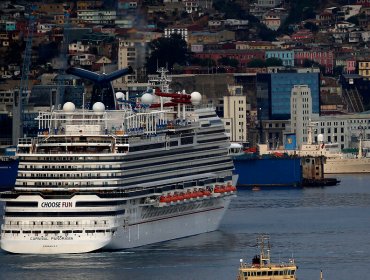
x=229 y=8
x=265 y=33
x=355 y=19
x=165 y=52
x=273 y=61
x=309 y=63
x=226 y=61
x=311 y=26
x=338 y=70
x=256 y=63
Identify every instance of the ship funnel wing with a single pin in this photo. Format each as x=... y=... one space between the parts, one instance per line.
x=99 y=78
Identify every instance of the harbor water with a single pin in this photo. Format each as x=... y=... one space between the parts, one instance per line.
x=324 y=229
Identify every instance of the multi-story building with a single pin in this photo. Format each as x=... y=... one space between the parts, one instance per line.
x=127 y=4
x=131 y=52
x=274 y=92
x=268 y=3
x=364 y=69
x=322 y=57
x=343 y=129
x=236 y=109
x=254 y=45
x=286 y=56
x=300 y=112
x=206 y=37
x=89 y=5
x=50 y=8
x=97 y=16
x=243 y=56
x=181 y=30
x=78 y=47
x=272 y=20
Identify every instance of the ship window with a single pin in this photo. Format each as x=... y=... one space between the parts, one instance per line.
x=269 y=273
x=276 y=272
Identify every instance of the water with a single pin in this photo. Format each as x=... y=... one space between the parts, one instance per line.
x=322 y=228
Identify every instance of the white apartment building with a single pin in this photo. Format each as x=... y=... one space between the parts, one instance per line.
x=343 y=129
x=130 y=53
x=268 y=3
x=236 y=109
x=97 y=16
x=346 y=130
x=301 y=112
x=78 y=47
x=183 y=31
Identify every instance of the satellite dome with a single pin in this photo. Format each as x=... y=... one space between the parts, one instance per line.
x=195 y=98
x=147 y=99
x=98 y=107
x=69 y=107
x=120 y=95
x=320 y=138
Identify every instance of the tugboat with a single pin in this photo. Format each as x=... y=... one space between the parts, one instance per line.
x=261 y=267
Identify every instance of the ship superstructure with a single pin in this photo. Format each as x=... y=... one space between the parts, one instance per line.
x=100 y=179
x=262 y=268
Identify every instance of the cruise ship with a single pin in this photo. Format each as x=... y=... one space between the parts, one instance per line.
x=113 y=179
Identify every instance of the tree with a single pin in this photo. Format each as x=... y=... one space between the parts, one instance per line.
x=229 y=8
x=206 y=62
x=309 y=63
x=265 y=33
x=273 y=61
x=226 y=61
x=256 y=63
x=46 y=52
x=165 y=52
x=338 y=70
x=311 y=26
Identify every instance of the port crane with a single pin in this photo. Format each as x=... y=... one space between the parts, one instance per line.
x=18 y=103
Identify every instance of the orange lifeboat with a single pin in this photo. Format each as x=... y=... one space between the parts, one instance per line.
x=174 y=198
x=180 y=197
x=228 y=188
x=162 y=199
x=219 y=189
x=207 y=193
x=168 y=198
x=187 y=195
x=199 y=193
x=193 y=194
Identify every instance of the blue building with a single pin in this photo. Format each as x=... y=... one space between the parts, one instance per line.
x=274 y=91
x=287 y=56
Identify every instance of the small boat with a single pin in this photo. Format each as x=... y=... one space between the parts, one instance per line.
x=261 y=267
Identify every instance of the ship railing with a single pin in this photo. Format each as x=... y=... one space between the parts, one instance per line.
x=155 y=139
x=25 y=141
x=257 y=266
x=55 y=226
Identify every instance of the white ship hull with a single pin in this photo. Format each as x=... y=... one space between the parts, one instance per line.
x=50 y=246
x=347 y=166
x=163 y=229
x=198 y=217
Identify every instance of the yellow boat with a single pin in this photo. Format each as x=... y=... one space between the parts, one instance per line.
x=261 y=267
